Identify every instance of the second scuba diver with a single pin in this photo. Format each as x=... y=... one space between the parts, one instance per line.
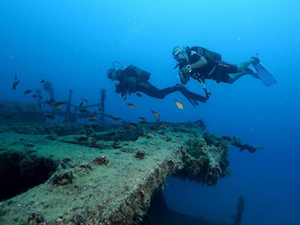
x=132 y=79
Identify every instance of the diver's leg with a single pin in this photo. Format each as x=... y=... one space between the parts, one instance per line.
x=234 y=77
x=236 y=71
x=245 y=64
x=154 y=92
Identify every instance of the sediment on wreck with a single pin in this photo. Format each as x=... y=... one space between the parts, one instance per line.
x=100 y=179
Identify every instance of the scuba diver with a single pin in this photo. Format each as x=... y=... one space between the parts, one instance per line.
x=201 y=63
x=132 y=79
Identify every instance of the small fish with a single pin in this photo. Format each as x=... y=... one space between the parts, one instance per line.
x=27 y=91
x=42 y=81
x=49 y=102
x=142 y=135
x=161 y=124
x=156 y=114
x=15 y=84
x=143 y=118
x=139 y=94
x=128 y=128
x=157 y=127
x=7 y=117
x=179 y=104
x=85 y=101
x=83 y=110
x=133 y=125
x=142 y=122
x=51 y=117
x=118 y=120
x=131 y=105
x=40 y=97
x=59 y=105
x=92 y=117
x=80 y=104
x=34 y=96
x=15 y=76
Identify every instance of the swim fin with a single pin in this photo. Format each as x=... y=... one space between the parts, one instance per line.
x=192 y=97
x=265 y=75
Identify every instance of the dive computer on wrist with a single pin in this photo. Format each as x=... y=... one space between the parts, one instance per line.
x=188 y=68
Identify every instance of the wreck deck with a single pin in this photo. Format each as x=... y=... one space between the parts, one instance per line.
x=118 y=192
x=106 y=177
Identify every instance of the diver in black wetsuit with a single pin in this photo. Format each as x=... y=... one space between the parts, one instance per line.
x=132 y=79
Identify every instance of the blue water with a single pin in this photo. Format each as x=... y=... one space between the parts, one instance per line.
x=73 y=44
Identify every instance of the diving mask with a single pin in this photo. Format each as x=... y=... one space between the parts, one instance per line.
x=179 y=55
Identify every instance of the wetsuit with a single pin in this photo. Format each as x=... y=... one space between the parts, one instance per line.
x=215 y=69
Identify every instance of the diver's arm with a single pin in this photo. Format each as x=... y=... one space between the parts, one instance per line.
x=188 y=68
x=200 y=63
x=184 y=77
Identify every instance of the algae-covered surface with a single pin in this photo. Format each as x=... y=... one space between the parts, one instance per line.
x=104 y=174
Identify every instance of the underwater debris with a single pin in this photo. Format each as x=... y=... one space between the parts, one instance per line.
x=203 y=163
x=36 y=218
x=214 y=140
x=101 y=160
x=240 y=210
x=62 y=178
x=66 y=160
x=140 y=154
x=86 y=166
x=82 y=138
x=78 y=219
x=52 y=136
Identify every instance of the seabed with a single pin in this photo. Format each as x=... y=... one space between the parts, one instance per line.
x=104 y=173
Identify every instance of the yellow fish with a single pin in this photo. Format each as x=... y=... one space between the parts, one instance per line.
x=118 y=119
x=143 y=118
x=179 y=104
x=85 y=101
x=161 y=124
x=156 y=114
x=131 y=105
x=59 y=105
